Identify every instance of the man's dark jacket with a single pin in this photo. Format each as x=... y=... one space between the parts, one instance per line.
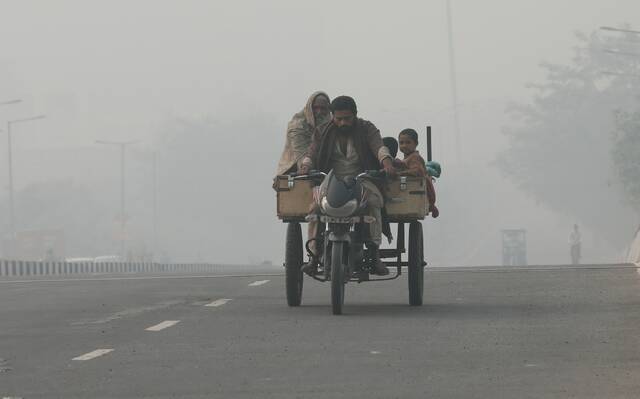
x=366 y=139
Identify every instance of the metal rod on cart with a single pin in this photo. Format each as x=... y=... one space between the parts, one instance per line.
x=400 y=246
x=429 y=158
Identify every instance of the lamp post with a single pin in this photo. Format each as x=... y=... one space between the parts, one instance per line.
x=12 y=225
x=625 y=53
x=122 y=145
x=10 y=102
x=621 y=53
x=618 y=52
x=454 y=83
x=609 y=28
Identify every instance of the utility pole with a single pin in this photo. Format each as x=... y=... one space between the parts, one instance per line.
x=12 y=216
x=454 y=83
x=123 y=221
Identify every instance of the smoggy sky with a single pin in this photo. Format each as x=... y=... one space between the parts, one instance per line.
x=118 y=69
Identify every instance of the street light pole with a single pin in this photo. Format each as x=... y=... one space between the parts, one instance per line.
x=122 y=145
x=454 y=82
x=10 y=102
x=609 y=28
x=12 y=223
x=11 y=217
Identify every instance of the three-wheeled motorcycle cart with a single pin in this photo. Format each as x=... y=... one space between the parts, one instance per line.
x=406 y=203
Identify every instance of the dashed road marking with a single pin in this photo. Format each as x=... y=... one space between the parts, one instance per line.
x=218 y=302
x=93 y=355
x=4 y=366
x=375 y=352
x=259 y=282
x=163 y=325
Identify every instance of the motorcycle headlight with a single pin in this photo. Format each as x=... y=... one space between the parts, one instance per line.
x=342 y=211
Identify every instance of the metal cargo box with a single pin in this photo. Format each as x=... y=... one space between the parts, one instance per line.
x=294 y=197
x=406 y=199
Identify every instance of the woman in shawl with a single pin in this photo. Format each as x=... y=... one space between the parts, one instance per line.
x=300 y=129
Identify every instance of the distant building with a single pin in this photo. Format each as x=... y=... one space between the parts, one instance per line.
x=514 y=247
x=35 y=245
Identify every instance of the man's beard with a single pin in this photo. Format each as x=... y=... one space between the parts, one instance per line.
x=345 y=130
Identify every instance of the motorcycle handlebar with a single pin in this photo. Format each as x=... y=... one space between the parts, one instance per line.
x=376 y=174
x=312 y=173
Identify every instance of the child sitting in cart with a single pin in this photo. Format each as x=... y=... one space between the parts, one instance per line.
x=413 y=165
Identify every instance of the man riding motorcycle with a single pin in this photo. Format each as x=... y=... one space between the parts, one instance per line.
x=349 y=145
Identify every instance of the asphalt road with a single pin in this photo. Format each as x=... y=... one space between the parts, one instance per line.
x=483 y=333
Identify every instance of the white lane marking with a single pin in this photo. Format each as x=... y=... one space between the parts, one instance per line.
x=259 y=282
x=375 y=352
x=163 y=325
x=218 y=302
x=93 y=355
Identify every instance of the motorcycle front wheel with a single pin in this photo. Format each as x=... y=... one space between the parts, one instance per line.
x=337 y=276
x=293 y=259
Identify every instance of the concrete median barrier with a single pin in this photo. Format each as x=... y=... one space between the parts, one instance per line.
x=22 y=268
x=633 y=256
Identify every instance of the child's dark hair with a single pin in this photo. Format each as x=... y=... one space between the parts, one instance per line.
x=411 y=133
x=392 y=144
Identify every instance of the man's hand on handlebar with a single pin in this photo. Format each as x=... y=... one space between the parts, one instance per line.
x=387 y=165
x=304 y=170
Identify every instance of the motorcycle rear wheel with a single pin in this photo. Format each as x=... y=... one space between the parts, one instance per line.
x=416 y=264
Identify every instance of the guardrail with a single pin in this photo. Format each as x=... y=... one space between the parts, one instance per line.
x=35 y=268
